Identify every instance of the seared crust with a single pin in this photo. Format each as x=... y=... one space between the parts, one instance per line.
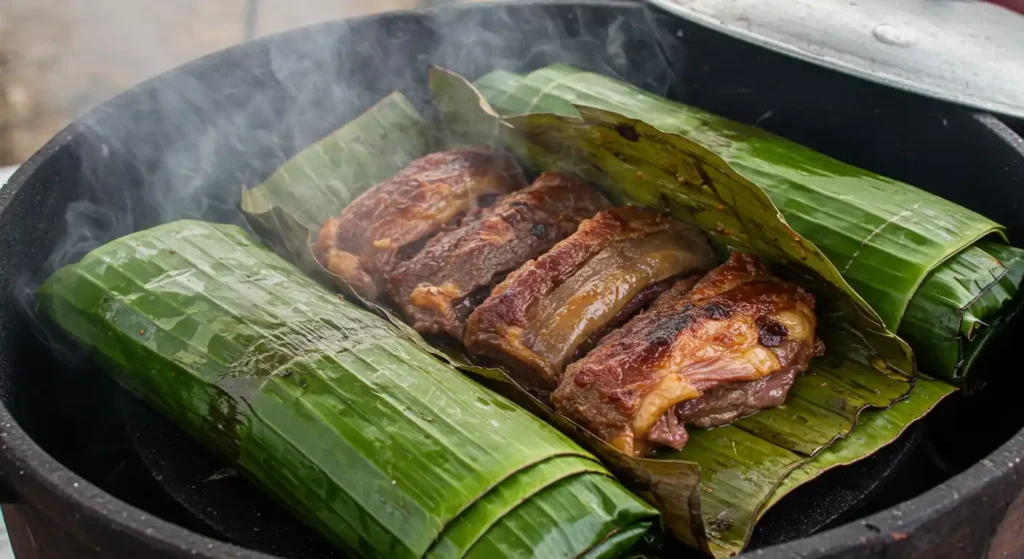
x=503 y=327
x=386 y=224
x=435 y=289
x=738 y=324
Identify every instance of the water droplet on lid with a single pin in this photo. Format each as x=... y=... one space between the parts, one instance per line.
x=895 y=35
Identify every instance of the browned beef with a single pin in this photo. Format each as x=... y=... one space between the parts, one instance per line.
x=455 y=271
x=390 y=222
x=535 y=320
x=703 y=355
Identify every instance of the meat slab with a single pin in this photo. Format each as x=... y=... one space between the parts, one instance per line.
x=456 y=270
x=701 y=355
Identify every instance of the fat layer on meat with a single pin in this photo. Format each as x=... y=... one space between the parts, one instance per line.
x=702 y=355
x=535 y=321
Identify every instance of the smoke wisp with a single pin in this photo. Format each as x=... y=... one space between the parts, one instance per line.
x=185 y=144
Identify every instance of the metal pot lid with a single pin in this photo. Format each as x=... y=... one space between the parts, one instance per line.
x=969 y=52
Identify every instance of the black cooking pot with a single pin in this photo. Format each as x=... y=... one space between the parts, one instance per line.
x=88 y=464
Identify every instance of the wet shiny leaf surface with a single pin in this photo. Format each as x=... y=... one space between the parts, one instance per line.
x=355 y=429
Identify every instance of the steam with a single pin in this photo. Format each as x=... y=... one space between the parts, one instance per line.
x=182 y=146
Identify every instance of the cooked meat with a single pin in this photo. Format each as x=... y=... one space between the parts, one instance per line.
x=437 y=288
x=391 y=221
x=535 y=320
x=635 y=305
x=702 y=355
x=730 y=400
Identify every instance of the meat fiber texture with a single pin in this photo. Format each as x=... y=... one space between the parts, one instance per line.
x=438 y=287
x=390 y=222
x=702 y=355
x=535 y=321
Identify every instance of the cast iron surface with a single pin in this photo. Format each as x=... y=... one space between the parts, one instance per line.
x=184 y=143
x=206 y=485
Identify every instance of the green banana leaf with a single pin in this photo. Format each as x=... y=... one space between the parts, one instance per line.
x=332 y=173
x=901 y=248
x=961 y=305
x=382 y=448
x=874 y=426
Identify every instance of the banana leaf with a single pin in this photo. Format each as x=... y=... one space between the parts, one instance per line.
x=740 y=466
x=384 y=449
x=874 y=426
x=902 y=249
x=961 y=305
x=332 y=172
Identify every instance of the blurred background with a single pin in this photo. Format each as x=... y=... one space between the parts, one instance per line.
x=59 y=58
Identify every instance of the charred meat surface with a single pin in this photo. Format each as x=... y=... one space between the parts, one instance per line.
x=388 y=223
x=702 y=355
x=537 y=318
x=437 y=288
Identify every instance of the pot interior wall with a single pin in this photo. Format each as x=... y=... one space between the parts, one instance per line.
x=185 y=143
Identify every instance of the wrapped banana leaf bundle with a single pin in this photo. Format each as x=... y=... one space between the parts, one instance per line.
x=938 y=274
x=381 y=447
